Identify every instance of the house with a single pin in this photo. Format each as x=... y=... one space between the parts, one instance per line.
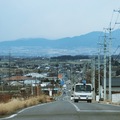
x=16 y=78
x=115 y=88
x=21 y=81
x=36 y=75
x=115 y=84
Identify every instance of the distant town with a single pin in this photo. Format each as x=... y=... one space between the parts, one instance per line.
x=24 y=77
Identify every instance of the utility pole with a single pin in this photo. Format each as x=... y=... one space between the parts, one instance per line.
x=105 y=46
x=93 y=76
x=99 y=91
x=110 y=45
x=9 y=72
x=84 y=70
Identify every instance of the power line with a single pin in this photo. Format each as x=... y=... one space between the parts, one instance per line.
x=116 y=22
x=111 y=19
x=116 y=49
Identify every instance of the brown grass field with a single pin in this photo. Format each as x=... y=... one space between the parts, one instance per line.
x=17 y=104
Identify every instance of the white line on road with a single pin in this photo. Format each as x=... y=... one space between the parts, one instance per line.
x=8 y=117
x=12 y=116
x=76 y=107
x=101 y=111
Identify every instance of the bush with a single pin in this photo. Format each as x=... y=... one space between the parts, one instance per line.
x=16 y=104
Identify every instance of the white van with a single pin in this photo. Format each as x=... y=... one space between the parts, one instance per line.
x=82 y=92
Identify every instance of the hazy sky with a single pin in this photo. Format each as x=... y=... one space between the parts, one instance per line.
x=53 y=18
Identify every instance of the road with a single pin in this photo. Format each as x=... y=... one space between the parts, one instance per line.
x=64 y=109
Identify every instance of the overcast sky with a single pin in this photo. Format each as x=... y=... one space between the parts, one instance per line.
x=53 y=18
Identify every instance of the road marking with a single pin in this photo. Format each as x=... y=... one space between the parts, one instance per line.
x=97 y=111
x=76 y=107
x=11 y=116
x=34 y=106
x=101 y=111
x=8 y=117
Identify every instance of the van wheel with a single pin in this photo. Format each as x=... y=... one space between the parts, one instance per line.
x=89 y=101
x=76 y=101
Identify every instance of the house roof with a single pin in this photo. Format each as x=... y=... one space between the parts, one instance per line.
x=115 y=82
x=17 y=78
x=16 y=83
x=36 y=75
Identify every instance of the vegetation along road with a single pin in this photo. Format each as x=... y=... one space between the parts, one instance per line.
x=64 y=109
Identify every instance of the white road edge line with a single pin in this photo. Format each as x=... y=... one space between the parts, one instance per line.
x=11 y=116
x=76 y=107
x=8 y=117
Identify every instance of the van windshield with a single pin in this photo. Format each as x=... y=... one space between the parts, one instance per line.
x=83 y=88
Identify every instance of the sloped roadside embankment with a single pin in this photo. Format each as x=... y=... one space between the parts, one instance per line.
x=16 y=104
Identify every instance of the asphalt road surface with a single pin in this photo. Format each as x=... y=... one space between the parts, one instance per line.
x=64 y=109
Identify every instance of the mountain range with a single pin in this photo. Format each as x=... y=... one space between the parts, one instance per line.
x=83 y=44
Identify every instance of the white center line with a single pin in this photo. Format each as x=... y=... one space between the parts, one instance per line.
x=76 y=107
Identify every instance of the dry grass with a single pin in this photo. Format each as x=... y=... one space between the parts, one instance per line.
x=16 y=104
x=110 y=102
x=118 y=103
